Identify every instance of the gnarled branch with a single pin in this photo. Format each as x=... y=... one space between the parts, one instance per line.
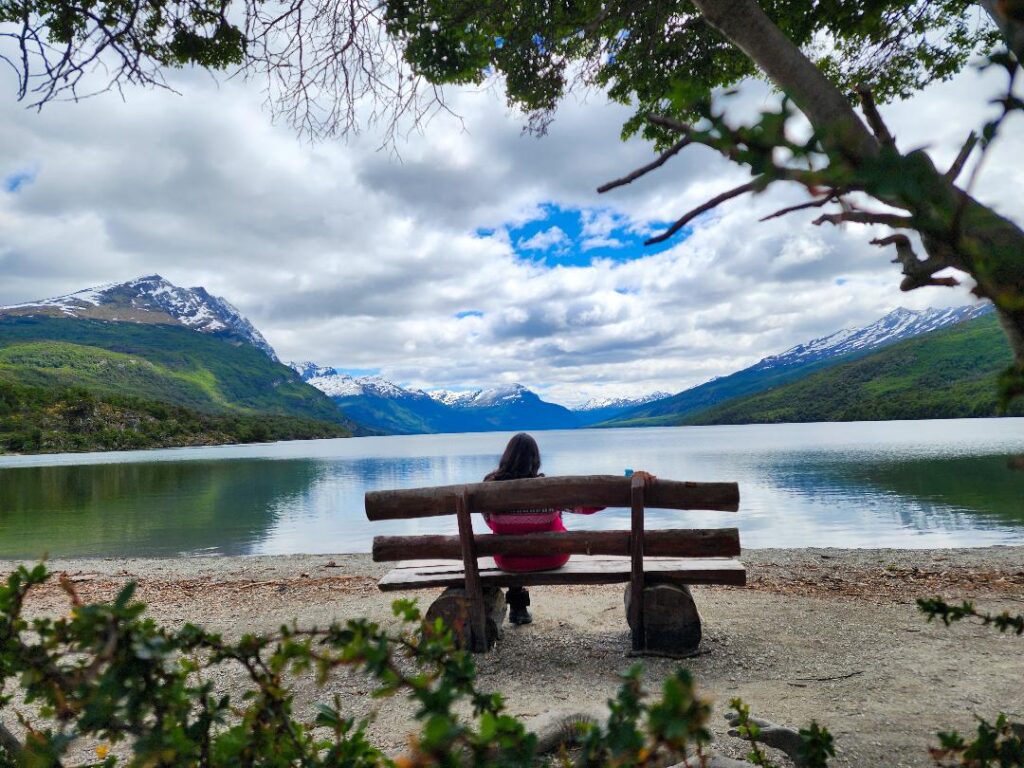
x=747 y=26
x=704 y=208
x=866 y=217
x=917 y=273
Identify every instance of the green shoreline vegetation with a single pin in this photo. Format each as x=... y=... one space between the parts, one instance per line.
x=36 y=420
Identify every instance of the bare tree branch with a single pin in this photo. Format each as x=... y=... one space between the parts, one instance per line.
x=874 y=117
x=709 y=205
x=642 y=171
x=671 y=123
x=961 y=158
x=866 y=217
x=917 y=273
x=833 y=195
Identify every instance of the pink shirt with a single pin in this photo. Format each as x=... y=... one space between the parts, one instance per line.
x=531 y=521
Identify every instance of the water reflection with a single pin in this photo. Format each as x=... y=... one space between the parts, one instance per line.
x=852 y=485
x=147 y=509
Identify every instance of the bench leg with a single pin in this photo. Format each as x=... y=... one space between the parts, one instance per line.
x=671 y=621
x=453 y=608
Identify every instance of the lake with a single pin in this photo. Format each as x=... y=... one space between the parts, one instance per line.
x=867 y=484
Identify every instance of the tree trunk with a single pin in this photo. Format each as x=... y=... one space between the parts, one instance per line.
x=1012 y=29
x=970 y=236
x=749 y=29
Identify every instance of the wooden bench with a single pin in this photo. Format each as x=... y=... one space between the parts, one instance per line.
x=657 y=565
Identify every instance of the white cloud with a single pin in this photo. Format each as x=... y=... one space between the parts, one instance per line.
x=551 y=239
x=341 y=254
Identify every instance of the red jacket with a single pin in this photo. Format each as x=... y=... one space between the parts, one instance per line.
x=531 y=521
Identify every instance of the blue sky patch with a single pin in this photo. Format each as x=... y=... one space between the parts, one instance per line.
x=469 y=313
x=576 y=237
x=358 y=371
x=15 y=181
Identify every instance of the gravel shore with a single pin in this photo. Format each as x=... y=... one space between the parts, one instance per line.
x=824 y=634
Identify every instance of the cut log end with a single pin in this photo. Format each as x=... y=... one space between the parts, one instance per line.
x=671 y=623
x=453 y=608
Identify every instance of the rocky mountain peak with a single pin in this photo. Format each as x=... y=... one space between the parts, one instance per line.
x=152 y=299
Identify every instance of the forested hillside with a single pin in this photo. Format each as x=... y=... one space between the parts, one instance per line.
x=40 y=420
x=68 y=384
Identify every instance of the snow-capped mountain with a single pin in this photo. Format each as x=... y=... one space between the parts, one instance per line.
x=389 y=407
x=600 y=409
x=896 y=326
x=335 y=383
x=603 y=403
x=152 y=299
x=799 y=361
x=484 y=398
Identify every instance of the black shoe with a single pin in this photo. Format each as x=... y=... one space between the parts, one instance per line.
x=519 y=616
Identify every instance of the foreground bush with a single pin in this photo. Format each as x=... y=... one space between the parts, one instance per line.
x=109 y=683
x=107 y=677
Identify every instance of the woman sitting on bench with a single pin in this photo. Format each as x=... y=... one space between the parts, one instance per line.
x=521 y=459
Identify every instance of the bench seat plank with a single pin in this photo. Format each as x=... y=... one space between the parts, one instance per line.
x=579 y=570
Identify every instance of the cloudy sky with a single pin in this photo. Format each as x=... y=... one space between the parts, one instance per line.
x=481 y=256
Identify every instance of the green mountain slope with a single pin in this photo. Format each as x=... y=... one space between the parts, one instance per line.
x=133 y=372
x=946 y=374
x=154 y=362
x=674 y=410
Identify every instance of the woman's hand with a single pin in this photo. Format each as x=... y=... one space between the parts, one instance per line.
x=647 y=478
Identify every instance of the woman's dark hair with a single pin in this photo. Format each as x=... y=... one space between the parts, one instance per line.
x=520 y=459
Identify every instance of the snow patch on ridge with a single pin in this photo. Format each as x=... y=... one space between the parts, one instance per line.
x=335 y=383
x=598 y=403
x=483 y=398
x=899 y=324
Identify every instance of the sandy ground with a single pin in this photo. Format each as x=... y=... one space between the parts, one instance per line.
x=831 y=635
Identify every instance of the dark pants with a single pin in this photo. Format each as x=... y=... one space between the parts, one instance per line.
x=517 y=598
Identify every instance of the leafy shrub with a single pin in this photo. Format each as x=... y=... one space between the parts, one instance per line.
x=107 y=675
x=997 y=744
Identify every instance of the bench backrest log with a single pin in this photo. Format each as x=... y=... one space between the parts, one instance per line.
x=542 y=492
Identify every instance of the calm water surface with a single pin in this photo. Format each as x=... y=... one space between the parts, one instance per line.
x=871 y=484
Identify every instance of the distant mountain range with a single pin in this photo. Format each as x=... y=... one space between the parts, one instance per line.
x=143 y=364
x=383 y=405
x=147 y=363
x=798 y=362
x=389 y=407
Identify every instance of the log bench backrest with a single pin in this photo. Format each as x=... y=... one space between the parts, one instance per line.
x=547 y=492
